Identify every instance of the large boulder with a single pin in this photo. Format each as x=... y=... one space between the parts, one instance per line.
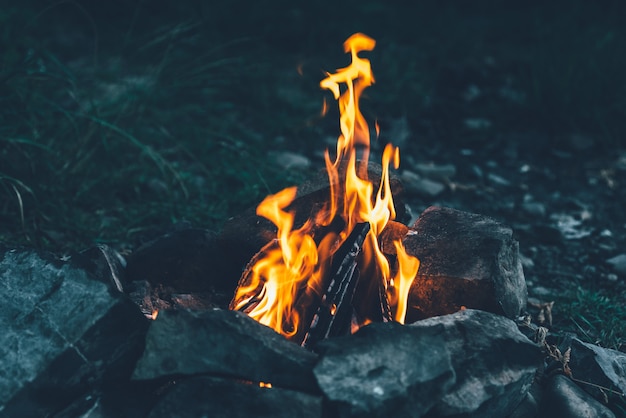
x=466 y=260
x=64 y=333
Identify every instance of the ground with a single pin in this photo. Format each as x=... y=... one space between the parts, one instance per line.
x=121 y=118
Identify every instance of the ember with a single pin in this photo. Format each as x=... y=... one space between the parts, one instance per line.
x=280 y=285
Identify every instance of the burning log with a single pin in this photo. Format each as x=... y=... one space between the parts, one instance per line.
x=243 y=235
x=335 y=311
x=279 y=287
x=331 y=312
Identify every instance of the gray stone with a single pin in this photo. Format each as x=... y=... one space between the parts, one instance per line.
x=385 y=369
x=494 y=363
x=289 y=160
x=225 y=398
x=528 y=408
x=64 y=333
x=415 y=184
x=498 y=180
x=434 y=171
x=223 y=343
x=563 y=398
x=466 y=260
x=468 y=364
x=618 y=263
x=534 y=209
x=600 y=368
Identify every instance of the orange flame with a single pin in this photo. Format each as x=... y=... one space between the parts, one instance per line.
x=407 y=269
x=284 y=269
x=294 y=267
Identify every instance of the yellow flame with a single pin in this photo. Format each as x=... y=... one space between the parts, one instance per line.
x=408 y=267
x=296 y=265
x=284 y=269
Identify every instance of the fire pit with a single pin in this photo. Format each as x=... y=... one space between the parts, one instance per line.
x=340 y=310
x=329 y=276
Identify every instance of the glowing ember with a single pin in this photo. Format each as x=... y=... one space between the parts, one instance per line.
x=290 y=272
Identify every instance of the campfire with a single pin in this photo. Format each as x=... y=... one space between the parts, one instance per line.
x=387 y=319
x=329 y=276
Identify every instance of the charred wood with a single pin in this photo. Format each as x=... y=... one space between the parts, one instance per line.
x=333 y=317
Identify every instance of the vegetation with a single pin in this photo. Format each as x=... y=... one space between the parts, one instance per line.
x=595 y=317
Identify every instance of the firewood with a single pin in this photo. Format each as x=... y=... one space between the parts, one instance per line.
x=334 y=314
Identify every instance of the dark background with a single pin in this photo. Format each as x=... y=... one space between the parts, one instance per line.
x=121 y=118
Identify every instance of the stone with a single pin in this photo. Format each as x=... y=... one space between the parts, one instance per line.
x=393 y=231
x=497 y=180
x=494 y=363
x=571 y=227
x=435 y=172
x=563 y=398
x=126 y=399
x=618 y=263
x=527 y=408
x=600 y=368
x=467 y=364
x=64 y=333
x=226 y=398
x=534 y=209
x=415 y=184
x=384 y=369
x=223 y=343
x=466 y=260
x=289 y=160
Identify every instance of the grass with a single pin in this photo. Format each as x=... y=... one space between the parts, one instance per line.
x=104 y=154
x=595 y=317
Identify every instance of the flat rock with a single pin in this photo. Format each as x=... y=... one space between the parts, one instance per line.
x=415 y=184
x=223 y=343
x=466 y=260
x=563 y=398
x=494 y=363
x=64 y=333
x=224 y=398
x=385 y=369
